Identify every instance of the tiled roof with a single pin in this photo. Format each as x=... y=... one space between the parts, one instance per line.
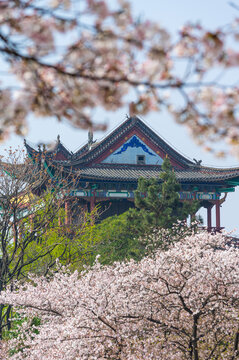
x=84 y=149
x=84 y=161
x=58 y=148
x=132 y=174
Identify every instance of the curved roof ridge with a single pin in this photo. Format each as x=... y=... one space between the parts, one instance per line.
x=219 y=169
x=58 y=147
x=104 y=139
x=30 y=149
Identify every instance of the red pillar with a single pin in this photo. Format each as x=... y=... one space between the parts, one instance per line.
x=209 y=218
x=218 y=225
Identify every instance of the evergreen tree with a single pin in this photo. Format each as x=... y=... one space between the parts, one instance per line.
x=158 y=206
x=159 y=202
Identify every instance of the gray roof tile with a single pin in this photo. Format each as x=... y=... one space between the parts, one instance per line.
x=131 y=174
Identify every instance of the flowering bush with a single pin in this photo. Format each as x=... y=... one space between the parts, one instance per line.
x=181 y=304
x=160 y=238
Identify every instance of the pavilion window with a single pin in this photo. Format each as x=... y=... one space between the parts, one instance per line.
x=140 y=159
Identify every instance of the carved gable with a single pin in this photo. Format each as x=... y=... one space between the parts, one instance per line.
x=134 y=151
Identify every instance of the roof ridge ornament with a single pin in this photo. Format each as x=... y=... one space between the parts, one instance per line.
x=197 y=162
x=90 y=139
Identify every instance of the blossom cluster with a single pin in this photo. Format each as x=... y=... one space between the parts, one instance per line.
x=68 y=59
x=180 y=304
x=98 y=66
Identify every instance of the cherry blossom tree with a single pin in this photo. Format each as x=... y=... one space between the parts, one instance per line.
x=69 y=57
x=35 y=228
x=180 y=304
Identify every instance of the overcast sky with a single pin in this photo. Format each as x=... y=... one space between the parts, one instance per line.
x=172 y=14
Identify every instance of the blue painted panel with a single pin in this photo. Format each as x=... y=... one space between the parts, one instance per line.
x=128 y=152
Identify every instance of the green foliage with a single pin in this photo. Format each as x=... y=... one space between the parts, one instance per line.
x=137 y=232
x=16 y=323
x=45 y=239
x=121 y=238
x=71 y=245
x=158 y=200
x=15 y=332
x=117 y=239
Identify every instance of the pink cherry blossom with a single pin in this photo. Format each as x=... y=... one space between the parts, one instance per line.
x=182 y=303
x=68 y=58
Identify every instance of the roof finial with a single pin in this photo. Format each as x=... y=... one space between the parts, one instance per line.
x=90 y=138
x=132 y=109
x=198 y=162
x=58 y=138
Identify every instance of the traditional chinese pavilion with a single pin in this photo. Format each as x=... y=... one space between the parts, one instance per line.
x=107 y=171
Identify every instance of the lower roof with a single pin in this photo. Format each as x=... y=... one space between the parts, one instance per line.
x=123 y=173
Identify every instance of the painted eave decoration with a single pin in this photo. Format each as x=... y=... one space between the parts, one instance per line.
x=134 y=142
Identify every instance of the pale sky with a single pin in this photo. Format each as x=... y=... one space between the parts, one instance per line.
x=172 y=14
